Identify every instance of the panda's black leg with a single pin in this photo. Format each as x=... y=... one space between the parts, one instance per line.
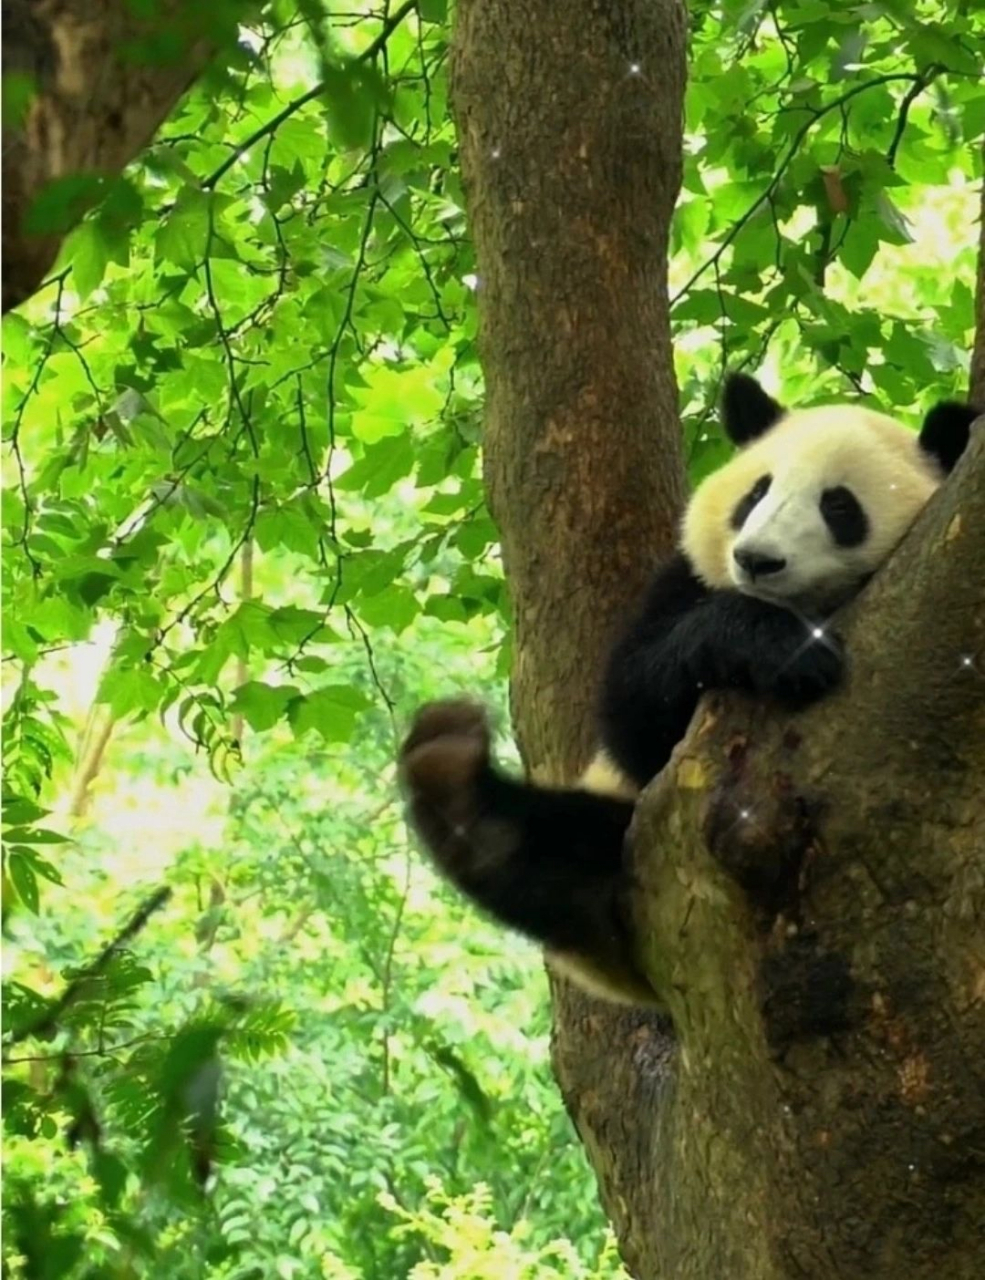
x=545 y=862
x=743 y=643
x=728 y=641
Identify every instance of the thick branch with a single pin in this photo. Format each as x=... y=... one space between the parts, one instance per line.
x=47 y=1022
x=811 y=899
x=98 y=731
x=917 y=635
x=549 y=114
x=913 y=706
x=99 y=76
x=810 y=888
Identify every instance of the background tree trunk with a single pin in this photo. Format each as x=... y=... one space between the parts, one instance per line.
x=98 y=77
x=819 y=1110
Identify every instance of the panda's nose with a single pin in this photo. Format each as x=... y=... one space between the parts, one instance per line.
x=756 y=564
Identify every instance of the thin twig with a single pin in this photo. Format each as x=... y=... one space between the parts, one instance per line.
x=14 y=442
x=105 y=1051
x=782 y=167
x=216 y=583
x=49 y=1019
x=272 y=125
x=911 y=94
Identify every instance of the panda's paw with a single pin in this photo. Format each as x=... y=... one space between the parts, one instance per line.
x=815 y=669
x=447 y=746
x=442 y=763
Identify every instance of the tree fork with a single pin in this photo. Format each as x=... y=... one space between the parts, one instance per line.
x=811 y=888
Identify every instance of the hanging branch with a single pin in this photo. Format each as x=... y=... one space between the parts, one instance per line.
x=48 y=1021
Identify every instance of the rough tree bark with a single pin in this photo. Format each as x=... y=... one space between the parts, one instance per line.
x=819 y=1108
x=104 y=74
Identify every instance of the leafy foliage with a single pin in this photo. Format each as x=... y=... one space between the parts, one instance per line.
x=823 y=143
x=245 y=534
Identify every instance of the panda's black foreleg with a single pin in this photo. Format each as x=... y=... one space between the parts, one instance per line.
x=738 y=642
x=543 y=861
x=726 y=641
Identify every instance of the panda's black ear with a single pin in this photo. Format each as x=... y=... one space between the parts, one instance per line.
x=747 y=411
x=946 y=431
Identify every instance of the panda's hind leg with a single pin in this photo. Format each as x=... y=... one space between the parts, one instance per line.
x=546 y=862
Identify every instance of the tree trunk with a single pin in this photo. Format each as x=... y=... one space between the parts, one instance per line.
x=570 y=135
x=813 y=889
x=98 y=77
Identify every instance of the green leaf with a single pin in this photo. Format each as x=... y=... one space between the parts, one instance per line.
x=354 y=94
x=18 y=811
x=135 y=689
x=262 y=705
x=39 y=865
x=24 y=881
x=17 y=339
x=859 y=248
x=893 y=221
x=251 y=628
x=18 y=91
x=907 y=351
x=931 y=44
x=743 y=311
x=331 y=711
x=123 y=205
x=288 y=527
x=701 y=305
x=691 y=223
x=395 y=608
x=35 y=835
x=89 y=257
x=475 y=537
x=368 y=572
x=380 y=467
x=62 y=202
x=294 y=626
x=184 y=233
x=393 y=398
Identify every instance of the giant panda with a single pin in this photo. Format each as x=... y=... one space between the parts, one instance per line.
x=810 y=505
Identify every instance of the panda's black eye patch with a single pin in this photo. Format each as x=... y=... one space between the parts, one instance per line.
x=844 y=516
x=756 y=494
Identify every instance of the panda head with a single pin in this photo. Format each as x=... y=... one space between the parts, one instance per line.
x=814 y=500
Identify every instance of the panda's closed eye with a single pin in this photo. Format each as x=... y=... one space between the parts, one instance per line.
x=844 y=516
x=756 y=494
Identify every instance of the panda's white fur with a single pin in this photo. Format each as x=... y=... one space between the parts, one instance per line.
x=604 y=777
x=806 y=452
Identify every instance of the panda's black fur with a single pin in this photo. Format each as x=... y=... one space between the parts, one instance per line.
x=548 y=861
